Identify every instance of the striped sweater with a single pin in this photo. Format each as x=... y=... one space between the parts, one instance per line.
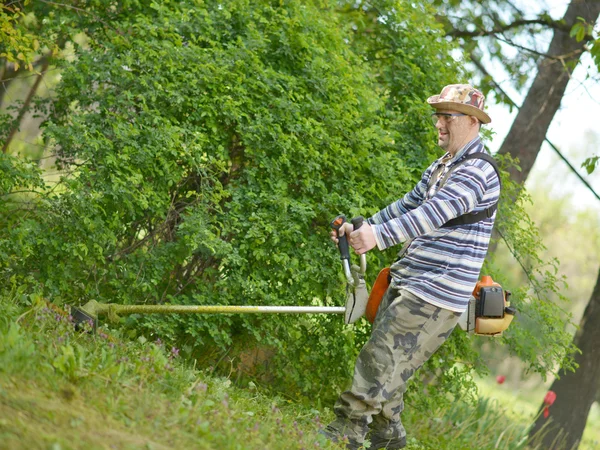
x=441 y=265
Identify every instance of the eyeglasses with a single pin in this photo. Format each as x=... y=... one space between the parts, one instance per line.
x=444 y=117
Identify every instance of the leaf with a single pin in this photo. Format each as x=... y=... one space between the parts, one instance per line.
x=590 y=164
x=575 y=30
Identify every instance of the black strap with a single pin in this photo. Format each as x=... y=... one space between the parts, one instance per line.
x=470 y=218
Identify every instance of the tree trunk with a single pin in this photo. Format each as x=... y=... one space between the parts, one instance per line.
x=575 y=391
x=25 y=107
x=530 y=127
x=6 y=77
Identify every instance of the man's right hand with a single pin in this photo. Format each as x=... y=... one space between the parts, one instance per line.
x=345 y=228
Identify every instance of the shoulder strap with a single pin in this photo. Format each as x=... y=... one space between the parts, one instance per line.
x=470 y=218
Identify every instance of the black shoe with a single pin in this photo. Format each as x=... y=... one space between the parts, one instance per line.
x=378 y=442
x=333 y=435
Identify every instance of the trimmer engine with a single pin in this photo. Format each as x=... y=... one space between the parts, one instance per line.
x=489 y=312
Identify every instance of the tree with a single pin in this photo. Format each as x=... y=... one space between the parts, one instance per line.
x=571 y=37
x=530 y=127
x=575 y=391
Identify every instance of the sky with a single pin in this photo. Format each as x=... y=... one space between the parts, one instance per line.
x=573 y=131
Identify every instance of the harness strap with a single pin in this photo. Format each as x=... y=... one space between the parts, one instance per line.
x=470 y=218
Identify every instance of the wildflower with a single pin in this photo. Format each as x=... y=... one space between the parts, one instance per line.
x=225 y=401
x=175 y=352
x=317 y=421
x=549 y=399
x=500 y=379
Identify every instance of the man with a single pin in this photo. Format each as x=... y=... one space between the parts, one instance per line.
x=445 y=223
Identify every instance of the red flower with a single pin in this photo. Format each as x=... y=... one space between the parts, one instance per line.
x=550 y=398
x=500 y=379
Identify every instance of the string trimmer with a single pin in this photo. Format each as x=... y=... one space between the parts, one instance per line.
x=356 y=300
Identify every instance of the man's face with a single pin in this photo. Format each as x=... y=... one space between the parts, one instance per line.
x=453 y=131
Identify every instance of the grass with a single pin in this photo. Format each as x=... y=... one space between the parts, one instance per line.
x=521 y=405
x=64 y=389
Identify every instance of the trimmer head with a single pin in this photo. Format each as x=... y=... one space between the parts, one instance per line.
x=85 y=314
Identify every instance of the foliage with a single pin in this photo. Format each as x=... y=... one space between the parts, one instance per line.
x=204 y=149
x=583 y=30
x=17 y=46
x=543 y=338
x=570 y=236
x=511 y=36
x=18 y=175
x=590 y=164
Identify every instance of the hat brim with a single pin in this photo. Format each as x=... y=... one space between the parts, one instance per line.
x=460 y=107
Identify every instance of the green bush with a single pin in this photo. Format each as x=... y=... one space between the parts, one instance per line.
x=207 y=148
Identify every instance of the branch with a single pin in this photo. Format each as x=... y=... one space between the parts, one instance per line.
x=480 y=66
x=520 y=12
x=62 y=5
x=535 y=52
x=84 y=11
x=483 y=70
x=530 y=276
x=555 y=24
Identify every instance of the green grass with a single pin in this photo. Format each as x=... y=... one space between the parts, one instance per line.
x=521 y=405
x=62 y=389
x=65 y=389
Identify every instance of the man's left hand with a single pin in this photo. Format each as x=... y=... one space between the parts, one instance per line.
x=363 y=239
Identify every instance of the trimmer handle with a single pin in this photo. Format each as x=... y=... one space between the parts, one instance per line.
x=357 y=222
x=336 y=224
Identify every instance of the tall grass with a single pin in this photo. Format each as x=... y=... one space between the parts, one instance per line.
x=487 y=425
x=64 y=389
x=67 y=389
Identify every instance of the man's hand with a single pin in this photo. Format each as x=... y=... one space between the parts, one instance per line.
x=363 y=239
x=345 y=228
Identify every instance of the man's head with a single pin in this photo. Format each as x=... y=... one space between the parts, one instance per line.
x=458 y=116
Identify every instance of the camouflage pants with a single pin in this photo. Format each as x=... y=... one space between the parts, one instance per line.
x=406 y=332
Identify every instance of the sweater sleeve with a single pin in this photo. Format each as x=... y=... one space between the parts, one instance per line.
x=460 y=195
x=407 y=203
